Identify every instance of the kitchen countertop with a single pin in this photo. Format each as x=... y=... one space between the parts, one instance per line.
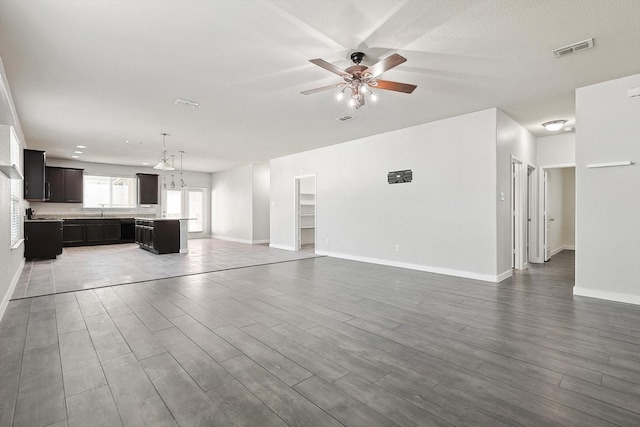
x=44 y=220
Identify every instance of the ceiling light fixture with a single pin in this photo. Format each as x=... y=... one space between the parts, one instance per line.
x=80 y=146
x=75 y=157
x=77 y=152
x=554 y=125
x=173 y=183
x=182 y=184
x=164 y=164
x=359 y=79
x=186 y=103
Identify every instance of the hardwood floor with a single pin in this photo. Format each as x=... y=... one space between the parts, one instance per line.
x=323 y=342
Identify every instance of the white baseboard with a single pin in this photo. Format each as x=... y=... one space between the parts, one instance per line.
x=569 y=247
x=233 y=239
x=504 y=275
x=286 y=248
x=610 y=296
x=12 y=287
x=557 y=250
x=419 y=267
x=261 y=242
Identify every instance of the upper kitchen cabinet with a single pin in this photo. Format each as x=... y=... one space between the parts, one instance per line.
x=65 y=184
x=147 y=189
x=34 y=175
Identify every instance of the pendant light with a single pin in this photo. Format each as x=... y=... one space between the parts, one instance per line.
x=173 y=184
x=182 y=184
x=163 y=164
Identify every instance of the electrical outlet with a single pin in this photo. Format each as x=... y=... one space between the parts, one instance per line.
x=397 y=248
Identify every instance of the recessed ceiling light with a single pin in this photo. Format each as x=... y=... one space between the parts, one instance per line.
x=75 y=157
x=145 y=163
x=130 y=141
x=78 y=152
x=80 y=146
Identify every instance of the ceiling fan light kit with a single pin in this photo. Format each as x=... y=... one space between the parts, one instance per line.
x=359 y=79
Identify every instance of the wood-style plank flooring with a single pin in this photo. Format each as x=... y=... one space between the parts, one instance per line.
x=323 y=342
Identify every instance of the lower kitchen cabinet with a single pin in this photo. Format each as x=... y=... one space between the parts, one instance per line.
x=74 y=232
x=97 y=231
x=42 y=239
x=158 y=236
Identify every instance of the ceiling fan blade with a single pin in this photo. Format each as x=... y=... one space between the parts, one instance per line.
x=395 y=86
x=329 y=67
x=320 y=89
x=385 y=64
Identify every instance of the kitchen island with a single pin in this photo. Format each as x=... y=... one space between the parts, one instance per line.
x=162 y=235
x=42 y=238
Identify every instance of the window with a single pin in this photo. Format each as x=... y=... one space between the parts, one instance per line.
x=109 y=192
x=16 y=184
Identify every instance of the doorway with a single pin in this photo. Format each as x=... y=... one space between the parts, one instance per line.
x=558 y=213
x=188 y=202
x=305 y=224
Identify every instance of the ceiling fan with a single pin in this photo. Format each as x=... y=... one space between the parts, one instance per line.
x=359 y=78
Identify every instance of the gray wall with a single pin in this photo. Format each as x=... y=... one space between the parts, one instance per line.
x=608 y=199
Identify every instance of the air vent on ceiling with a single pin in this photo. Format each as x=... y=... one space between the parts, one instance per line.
x=344 y=118
x=186 y=103
x=575 y=47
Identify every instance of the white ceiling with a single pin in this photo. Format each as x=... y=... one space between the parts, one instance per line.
x=101 y=72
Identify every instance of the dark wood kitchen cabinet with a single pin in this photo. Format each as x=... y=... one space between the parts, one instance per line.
x=158 y=236
x=111 y=230
x=98 y=231
x=42 y=239
x=74 y=232
x=35 y=188
x=147 y=189
x=95 y=231
x=65 y=184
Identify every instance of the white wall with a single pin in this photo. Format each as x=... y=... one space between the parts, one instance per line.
x=608 y=199
x=11 y=259
x=240 y=204
x=261 y=200
x=444 y=221
x=513 y=141
x=557 y=150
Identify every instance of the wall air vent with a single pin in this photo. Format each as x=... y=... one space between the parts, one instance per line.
x=572 y=48
x=345 y=118
x=186 y=103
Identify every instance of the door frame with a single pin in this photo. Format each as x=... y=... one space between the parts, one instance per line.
x=518 y=214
